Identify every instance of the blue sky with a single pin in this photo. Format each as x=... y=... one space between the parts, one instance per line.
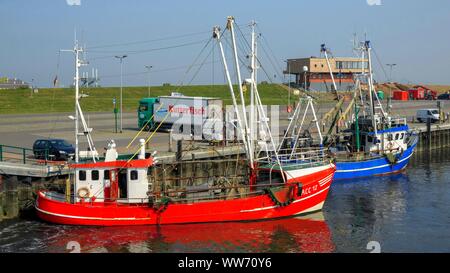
x=414 y=34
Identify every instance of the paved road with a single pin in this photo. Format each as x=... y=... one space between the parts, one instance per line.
x=23 y=130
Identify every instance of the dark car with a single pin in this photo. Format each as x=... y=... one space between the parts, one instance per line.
x=53 y=149
x=444 y=97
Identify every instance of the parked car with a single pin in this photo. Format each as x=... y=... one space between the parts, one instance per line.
x=54 y=149
x=444 y=97
x=423 y=114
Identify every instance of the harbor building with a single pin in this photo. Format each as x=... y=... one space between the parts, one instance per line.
x=6 y=83
x=317 y=77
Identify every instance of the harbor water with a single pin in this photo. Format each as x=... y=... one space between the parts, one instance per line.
x=407 y=212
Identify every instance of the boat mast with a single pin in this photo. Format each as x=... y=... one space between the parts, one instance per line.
x=78 y=113
x=370 y=82
x=216 y=35
x=252 y=88
x=230 y=26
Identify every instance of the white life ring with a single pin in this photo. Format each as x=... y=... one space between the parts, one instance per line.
x=83 y=192
x=390 y=146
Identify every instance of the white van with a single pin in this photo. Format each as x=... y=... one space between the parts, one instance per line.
x=423 y=114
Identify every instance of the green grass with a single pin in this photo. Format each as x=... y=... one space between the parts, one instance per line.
x=54 y=100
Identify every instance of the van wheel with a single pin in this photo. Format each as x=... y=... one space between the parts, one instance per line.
x=420 y=120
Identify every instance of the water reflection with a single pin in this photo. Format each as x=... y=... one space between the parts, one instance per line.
x=309 y=234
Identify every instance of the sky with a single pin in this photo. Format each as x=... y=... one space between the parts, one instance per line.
x=170 y=34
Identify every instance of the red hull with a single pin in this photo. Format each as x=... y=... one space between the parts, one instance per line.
x=258 y=207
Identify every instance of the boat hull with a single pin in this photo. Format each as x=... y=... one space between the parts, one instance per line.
x=373 y=167
x=259 y=207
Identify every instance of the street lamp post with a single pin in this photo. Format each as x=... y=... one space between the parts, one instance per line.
x=289 y=83
x=121 y=86
x=390 y=87
x=148 y=68
x=391 y=66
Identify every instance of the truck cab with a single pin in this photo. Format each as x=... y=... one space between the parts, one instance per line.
x=145 y=113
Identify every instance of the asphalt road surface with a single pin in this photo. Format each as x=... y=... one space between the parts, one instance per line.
x=23 y=130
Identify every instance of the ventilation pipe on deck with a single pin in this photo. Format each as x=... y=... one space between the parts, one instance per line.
x=142 y=152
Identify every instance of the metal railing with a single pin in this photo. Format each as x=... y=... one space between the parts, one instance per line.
x=22 y=155
x=299 y=157
x=176 y=195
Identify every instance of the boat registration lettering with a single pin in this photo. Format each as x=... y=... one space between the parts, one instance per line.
x=309 y=190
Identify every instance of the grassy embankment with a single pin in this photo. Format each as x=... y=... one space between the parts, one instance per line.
x=52 y=100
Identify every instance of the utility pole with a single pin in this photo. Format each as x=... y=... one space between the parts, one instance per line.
x=148 y=68
x=121 y=86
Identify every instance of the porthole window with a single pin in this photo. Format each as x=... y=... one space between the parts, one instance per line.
x=82 y=175
x=134 y=175
x=94 y=175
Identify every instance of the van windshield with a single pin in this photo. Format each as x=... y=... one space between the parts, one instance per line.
x=434 y=112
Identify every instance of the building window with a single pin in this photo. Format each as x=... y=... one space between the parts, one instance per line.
x=94 y=175
x=82 y=175
x=106 y=174
x=134 y=175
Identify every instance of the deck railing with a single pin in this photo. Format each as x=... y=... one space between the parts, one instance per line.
x=300 y=157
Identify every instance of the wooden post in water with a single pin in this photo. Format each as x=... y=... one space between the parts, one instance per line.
x=178 y=157
x=428 y=133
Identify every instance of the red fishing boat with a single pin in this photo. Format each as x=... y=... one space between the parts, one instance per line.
x=275 y=183
x=116 y=193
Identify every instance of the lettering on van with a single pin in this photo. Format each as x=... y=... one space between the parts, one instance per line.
x=186 y=110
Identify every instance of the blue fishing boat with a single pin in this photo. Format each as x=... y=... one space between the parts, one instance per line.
x=375 y=143
x=370 y=143
x=397 y=144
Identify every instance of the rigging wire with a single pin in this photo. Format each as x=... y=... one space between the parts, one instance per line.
x=380 y=63
x=174 y=37
x=144 y=50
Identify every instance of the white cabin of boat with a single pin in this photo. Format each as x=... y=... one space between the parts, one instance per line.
x=124 y=181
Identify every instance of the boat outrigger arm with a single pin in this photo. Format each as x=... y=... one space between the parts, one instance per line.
x=294 y=129
x=325 y=50
x=247 y=133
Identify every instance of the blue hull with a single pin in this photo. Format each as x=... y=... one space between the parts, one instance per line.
x=371 y=167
